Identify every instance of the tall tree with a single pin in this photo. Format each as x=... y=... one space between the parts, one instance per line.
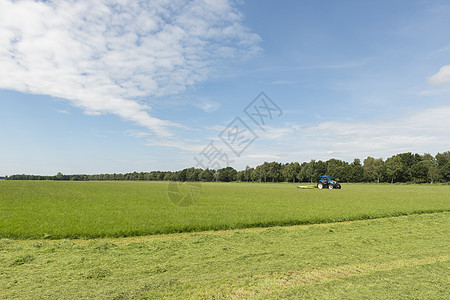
x=291 y=171
x=274 y=171
x=393 y=167
x=443 y=160
x=378 y=168
x=310 y=170
x=356 y=170
x=206 y=175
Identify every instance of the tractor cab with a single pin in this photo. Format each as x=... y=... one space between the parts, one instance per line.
x=325 y=178
x=326 y=182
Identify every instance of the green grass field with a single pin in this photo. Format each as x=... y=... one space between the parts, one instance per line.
x=48 y=209
x=390 y=241
x=403 y=257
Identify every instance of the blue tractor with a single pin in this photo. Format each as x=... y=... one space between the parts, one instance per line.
x=326 y=182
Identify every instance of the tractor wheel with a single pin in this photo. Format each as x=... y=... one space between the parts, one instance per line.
x=330 y=186
x=338 y=186
x=320 y=185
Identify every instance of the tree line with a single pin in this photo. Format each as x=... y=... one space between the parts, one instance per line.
x=403 y=167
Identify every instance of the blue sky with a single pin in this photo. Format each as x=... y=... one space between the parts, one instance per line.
x=123 y=86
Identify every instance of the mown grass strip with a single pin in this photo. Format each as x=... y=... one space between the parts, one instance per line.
x=401 y=257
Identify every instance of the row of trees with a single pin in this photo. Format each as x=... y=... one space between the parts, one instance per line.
x=404 y=167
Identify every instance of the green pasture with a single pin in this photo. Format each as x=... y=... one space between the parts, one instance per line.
x=56 y=209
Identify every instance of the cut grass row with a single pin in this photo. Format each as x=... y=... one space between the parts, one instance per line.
x=392 y=258
x=31 y=209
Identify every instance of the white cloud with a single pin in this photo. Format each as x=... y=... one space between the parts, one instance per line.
x=109 y=56
x=427 y=131
x=443 y=76
x=423 y=131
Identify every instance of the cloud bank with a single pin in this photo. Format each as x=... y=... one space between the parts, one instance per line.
x=110 y=56
x=426 y=131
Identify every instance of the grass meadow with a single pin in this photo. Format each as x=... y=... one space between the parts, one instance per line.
x=402 y=257
x=52 y=209
x=127 y=240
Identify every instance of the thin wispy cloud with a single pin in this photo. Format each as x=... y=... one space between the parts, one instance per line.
x=441 y=50
x=208 y=106
x=341 y=65
x=63 y=111
x=108 y=57
x=284 y=82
